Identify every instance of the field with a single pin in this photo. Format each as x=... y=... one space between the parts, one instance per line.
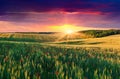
x=40 y=56
x=112 y=41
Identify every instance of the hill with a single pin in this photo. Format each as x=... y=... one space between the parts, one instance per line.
x=112 y=41
x=54 y=36
x=100 y=33
x=28 y=37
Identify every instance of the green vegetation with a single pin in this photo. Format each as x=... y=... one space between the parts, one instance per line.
x=27 y=61
x=72 y=42
x=53 y=36
x=101 y=33
x=79 y=43
x=42 y=55
x=27 y=37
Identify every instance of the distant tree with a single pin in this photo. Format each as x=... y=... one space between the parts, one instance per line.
x=101 y=33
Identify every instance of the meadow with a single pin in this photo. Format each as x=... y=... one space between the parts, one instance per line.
x=27 y=37
x=45 y=59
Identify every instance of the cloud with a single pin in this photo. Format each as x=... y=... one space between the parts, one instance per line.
x=24 y=15
x=13 y=27
x=102 y=6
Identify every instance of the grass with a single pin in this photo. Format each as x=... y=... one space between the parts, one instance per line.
x=42 y=62
x=23 y=37
x=38 y=56
x=54 y=36
x=112 y=41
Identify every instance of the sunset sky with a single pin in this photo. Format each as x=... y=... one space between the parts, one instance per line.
x=54 y=15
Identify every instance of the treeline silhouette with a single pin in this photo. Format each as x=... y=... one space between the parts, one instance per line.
x=101 y=33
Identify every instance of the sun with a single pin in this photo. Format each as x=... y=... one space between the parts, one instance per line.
x=68 y=28
x=69 y=31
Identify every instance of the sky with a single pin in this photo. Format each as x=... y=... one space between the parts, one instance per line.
x=56 y=15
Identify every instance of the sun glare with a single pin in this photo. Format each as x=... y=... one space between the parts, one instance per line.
x=69 y=31
x=68 y=28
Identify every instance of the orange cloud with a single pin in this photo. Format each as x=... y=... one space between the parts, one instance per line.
x=12 y=27
x=6 y=26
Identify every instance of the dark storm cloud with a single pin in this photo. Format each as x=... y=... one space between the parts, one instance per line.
x=104 y=6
